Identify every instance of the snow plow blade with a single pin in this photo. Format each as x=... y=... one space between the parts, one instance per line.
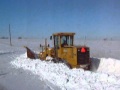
x=31 y=54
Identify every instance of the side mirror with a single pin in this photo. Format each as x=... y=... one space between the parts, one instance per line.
x=40 y=45
x=48 y=45
x=50 y=37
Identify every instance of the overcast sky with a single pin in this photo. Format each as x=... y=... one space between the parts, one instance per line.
x=41 y=18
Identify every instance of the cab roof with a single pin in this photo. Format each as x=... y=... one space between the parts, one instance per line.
x=64 y=33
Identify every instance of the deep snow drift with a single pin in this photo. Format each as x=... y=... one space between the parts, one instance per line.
x=73 y=79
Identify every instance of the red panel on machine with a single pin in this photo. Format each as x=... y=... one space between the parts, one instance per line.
x=83 y=50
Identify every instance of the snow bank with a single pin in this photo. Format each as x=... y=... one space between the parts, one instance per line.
x=68 y=79
x=109 y=65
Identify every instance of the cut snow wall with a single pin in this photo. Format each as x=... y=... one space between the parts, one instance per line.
x=104 y=65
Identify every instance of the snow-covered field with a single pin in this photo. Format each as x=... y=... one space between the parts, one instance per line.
x=20 y=73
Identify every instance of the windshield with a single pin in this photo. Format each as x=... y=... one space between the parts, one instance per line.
x=67 y=40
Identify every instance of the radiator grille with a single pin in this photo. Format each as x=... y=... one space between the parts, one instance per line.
x=83 y=57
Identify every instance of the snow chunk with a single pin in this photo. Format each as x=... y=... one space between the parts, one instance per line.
x=49 y=58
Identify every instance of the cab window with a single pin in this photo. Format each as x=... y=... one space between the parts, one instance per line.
x=56 y=41
x=66 y=41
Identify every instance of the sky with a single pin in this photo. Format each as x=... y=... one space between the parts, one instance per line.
x=41 y=18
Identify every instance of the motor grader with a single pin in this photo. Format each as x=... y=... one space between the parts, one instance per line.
x=64 y=51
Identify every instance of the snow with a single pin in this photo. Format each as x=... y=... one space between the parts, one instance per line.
x=18 y=79
x=17 y=72
x=72 y=79
x=109 y=65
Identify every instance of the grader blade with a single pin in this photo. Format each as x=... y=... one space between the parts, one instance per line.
x=31 y=54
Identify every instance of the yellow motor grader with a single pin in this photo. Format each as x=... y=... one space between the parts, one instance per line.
x=64 y=51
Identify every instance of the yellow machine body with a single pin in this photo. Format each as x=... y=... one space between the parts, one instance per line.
x=76 y=56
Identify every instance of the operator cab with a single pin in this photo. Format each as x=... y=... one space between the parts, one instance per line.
x=63 y=39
